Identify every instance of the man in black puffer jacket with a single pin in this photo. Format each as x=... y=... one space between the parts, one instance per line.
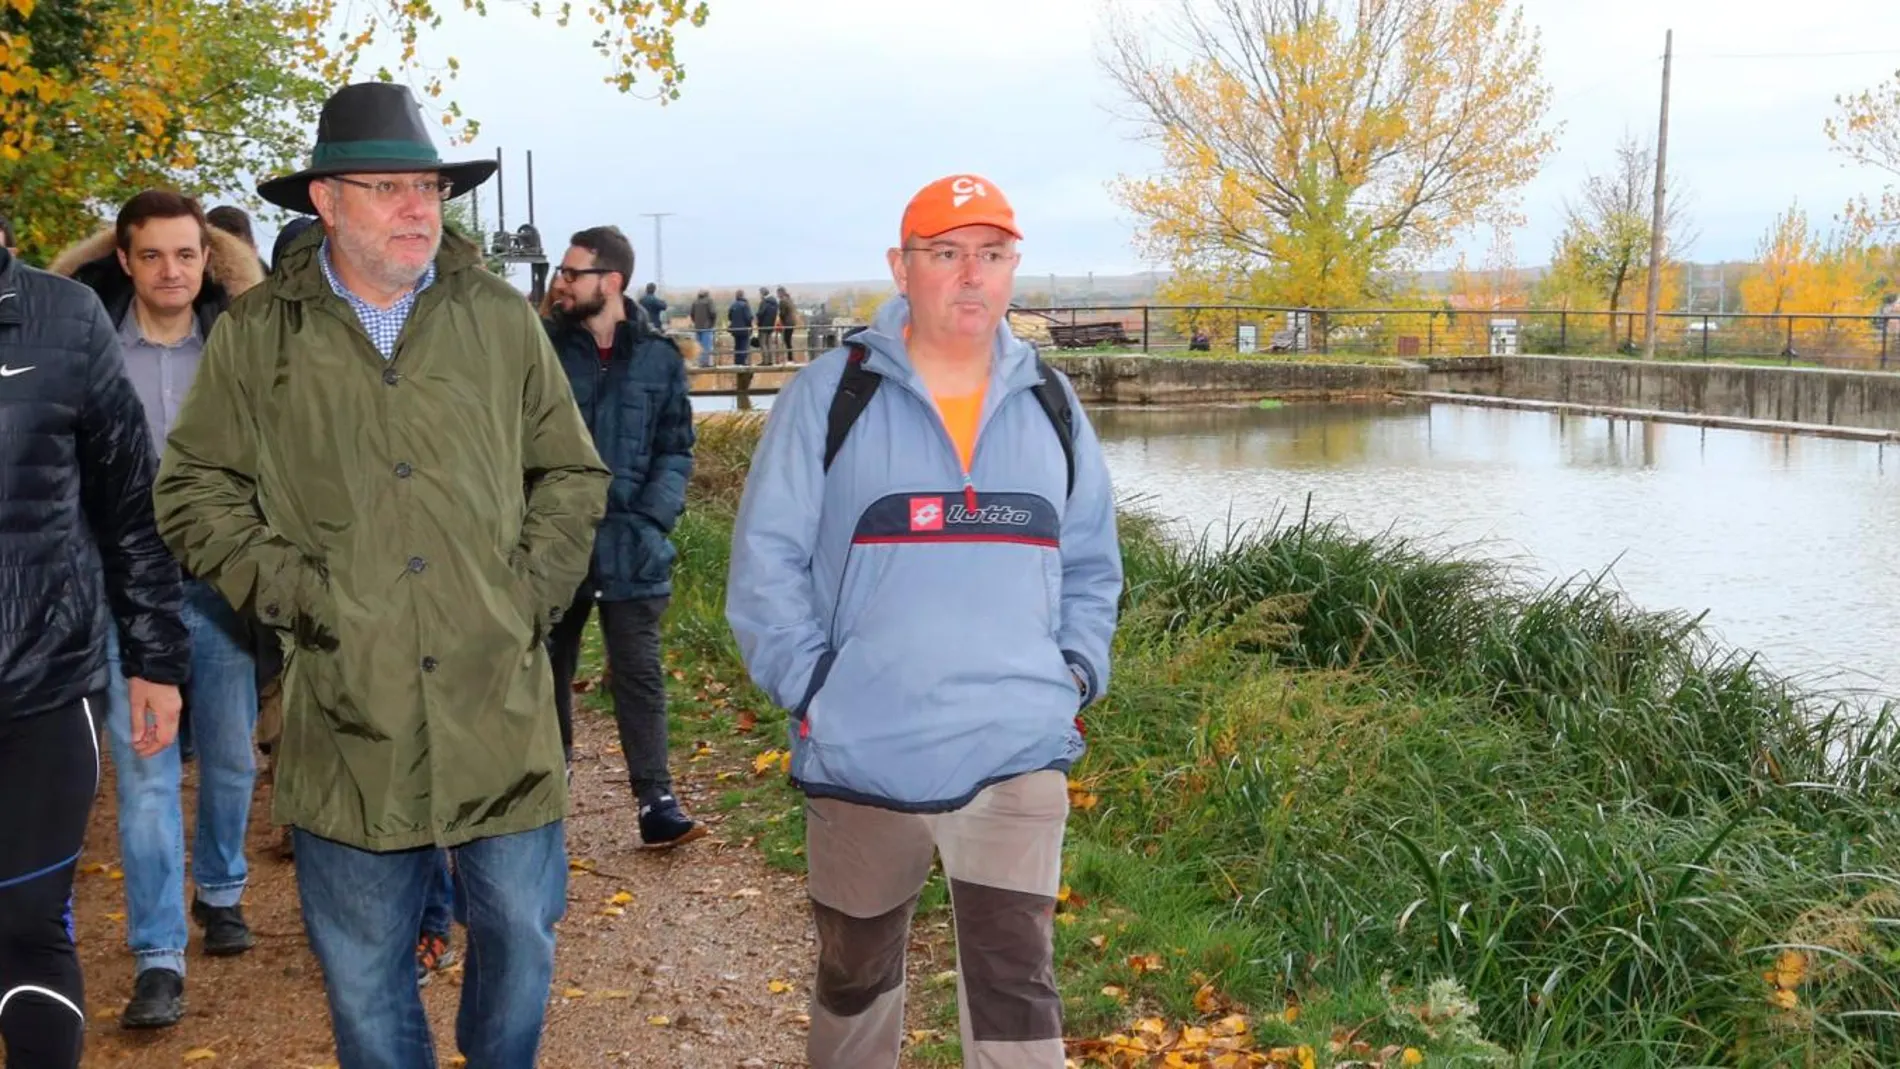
x=630 y=384
x=77 y=534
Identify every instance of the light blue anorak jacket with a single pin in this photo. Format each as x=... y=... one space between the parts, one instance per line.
x=922 y=624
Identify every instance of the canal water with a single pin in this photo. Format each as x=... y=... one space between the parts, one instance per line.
x=1790 y=544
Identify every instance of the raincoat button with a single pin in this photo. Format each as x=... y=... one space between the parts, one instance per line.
x=429 y=664
x=390 y=376
x=416 y=564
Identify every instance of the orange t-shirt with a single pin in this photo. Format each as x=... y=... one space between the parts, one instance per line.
x=960 y=417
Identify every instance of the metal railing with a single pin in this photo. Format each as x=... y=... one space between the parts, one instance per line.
x=805 y=341
x=1844 y=341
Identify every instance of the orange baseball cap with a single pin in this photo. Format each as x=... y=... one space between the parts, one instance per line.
x=955 y=201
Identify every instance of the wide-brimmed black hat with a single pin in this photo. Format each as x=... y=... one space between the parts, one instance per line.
x=371 y=128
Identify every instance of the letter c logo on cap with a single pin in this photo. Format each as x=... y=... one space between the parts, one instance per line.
x=963 y=189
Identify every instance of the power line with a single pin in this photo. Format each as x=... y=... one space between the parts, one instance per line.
x=1794 y=55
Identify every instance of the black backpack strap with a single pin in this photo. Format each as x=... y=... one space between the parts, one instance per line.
x=1055 y=401
x=854 y=394
x=858 y=384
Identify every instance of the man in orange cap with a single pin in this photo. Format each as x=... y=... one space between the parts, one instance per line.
x=932 y=595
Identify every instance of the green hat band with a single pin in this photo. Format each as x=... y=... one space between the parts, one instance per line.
x=340 y=152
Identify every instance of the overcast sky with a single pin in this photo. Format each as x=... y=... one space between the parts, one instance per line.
x=804 y=127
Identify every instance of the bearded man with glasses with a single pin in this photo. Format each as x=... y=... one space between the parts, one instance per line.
x=381 y=459
x=630 y=382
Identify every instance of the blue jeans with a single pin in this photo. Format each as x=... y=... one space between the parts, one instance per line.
x=438 y=909
x=705 y=347
x=223 y=699
x=362 y=911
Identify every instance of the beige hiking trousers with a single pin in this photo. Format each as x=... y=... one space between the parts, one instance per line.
x=1002 y=855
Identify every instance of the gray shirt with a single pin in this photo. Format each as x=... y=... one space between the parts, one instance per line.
x=161 y=374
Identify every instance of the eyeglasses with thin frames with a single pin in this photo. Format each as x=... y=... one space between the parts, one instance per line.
x=570 y=274
x=948 y=256
x=388 y=190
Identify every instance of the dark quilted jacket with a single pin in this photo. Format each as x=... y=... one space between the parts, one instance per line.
x=76 y=523
x=637 y=407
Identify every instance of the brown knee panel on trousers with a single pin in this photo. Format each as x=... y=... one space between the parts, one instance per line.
x=859 y=958
x=1003 y=948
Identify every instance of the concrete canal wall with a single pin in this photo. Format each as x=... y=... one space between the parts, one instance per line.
x=1806 y=396
x=1798 y=399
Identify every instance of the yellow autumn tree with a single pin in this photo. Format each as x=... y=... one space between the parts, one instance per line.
x=102 y=98
x=1799 y=272
x=1866 y=129
x=1786 y=258
x=1309 y=146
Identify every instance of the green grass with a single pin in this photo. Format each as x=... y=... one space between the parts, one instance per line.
x=1424 y=803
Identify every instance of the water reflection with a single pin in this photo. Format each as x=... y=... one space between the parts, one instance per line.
x=1787 y=542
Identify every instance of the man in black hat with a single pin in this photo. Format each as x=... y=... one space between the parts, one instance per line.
x=350 y=467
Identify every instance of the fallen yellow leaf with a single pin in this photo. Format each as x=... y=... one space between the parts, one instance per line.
x=119 y=874
x=1062 y=893
x=1206 y=1000
x=456 y=1061
x=659 y=1020
x=202 y=1054
x=1153 y=1026
x=574 y=992
x=1065 y=919
x=1146 y=963
x=764 y=762
x=1412 y=1056
x=612 y=911
x=1231 y=1025
x=613 y=994
x=778 y=987
x=1785 y=999
x=925 y=1035
x=1290 y=1014
x=746 y=892
x=1791 y=967
x=115 y=916
x=1099 y=942
x=1114 y=991
x=620 y=898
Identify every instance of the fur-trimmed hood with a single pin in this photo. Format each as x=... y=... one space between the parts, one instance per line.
x=229 y=262
x=230 y=269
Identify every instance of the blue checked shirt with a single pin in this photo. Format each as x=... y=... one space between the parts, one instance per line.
x=383 y=325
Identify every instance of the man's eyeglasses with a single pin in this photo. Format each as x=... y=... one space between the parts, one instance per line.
x=570 y=274
x=389 y=190
x=948 y=256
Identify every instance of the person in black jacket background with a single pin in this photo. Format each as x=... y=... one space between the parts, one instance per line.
x=80 y=553
x=630 y=383
x=739 y=322
x=769 y=351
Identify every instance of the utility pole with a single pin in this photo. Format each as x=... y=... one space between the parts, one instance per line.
x=1657 y=211
x=659 y=251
